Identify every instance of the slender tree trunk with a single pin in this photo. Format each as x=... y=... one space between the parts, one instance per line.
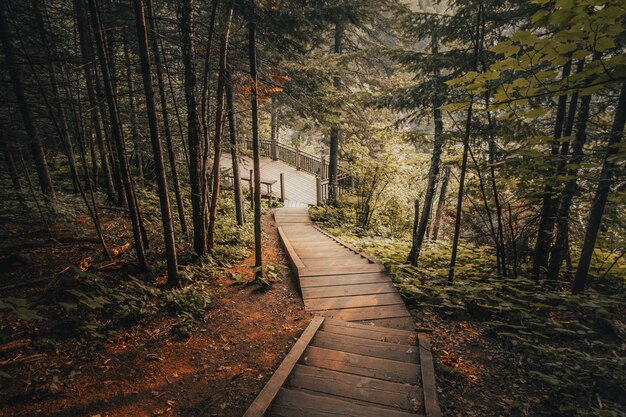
x=333 y=162
x=157 y=152
x=570 y=189
x=166 y=121
x=88 y=69
x=219 y=128
x=414 y=253
x=204 y=98
x=546 y=219
x=8 y=158
x=254 y=96
x=193 y=129
x=606 y=180
x=234 y=150
x=133 y=114
x=441 y=203
x=37 y=150
x=433 y=172
x=466 y=138
x=116 y=131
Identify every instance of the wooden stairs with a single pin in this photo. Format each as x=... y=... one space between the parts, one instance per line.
x=361 y=355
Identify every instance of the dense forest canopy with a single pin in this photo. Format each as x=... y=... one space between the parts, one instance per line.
x=474 y=147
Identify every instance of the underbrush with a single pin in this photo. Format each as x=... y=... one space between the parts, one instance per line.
x=573 y=346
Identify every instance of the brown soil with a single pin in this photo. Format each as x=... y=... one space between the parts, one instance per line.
x=146 y=371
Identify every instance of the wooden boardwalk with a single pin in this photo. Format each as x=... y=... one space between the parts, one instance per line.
x=361 y=355
x=300 y=187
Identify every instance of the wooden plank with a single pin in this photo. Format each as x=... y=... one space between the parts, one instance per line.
x=353 y=363
x=334 y=303
x=344 y=261
x=263 y=401
x=296 y=264
x=370 y=332
x=329 y=280
x=314 y=272
x=346 y=290
x=428 y=377
x=402 y=323
x=372 y=390
x=368 y=313
x=327 y=253
x=290 y=403
x=375 y=348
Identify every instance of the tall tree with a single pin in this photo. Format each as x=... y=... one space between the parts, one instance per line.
x=193 y=128
x=333 y=162
x=433 y=172
x=157 y=152
x=116 y=132
x=234 y=149
x=166 y=120
x=36 y=146
x=606 y=180
x=219 y=127
x=256 y=155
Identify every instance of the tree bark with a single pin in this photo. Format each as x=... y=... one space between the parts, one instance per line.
x=433 y=172
x=193 y=129
x=546 y=220
x=133 y=115
x=606 y=180
x=8 y=158
x=234 y=150
x=157 y=152
x=96 y=122
x=166 y=121
x=571 y=186
x=441 y=203
x=116 y=132
x=466 y=138
x=414 y=253
x=219 y=128
x=37 y=150
x=333 y=162
x=254 y=96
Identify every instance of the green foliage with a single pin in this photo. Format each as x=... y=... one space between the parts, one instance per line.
x=567 y=343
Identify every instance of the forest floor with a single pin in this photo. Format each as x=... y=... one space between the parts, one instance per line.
x=145 y=369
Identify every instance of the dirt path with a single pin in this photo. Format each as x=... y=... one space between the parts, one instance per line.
x=146 y=372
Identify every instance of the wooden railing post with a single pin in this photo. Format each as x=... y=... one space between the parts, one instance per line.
x=282 y=187
x=298 y=159
x=323 y=167
x=318 y=186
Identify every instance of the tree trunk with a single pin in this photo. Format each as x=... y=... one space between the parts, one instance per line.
x=571 y=186
x=219 y=128
x=414 y=253
x=193 y=129
x=88 y=69
x=466 y=138
x=234 y=150
x=133 y=115
x=8 y=158
x=37 y=150
x=441 y=203
x=204 y=98
x=546 y=219
x=258 y=252
x=333 y=162
x=433 y=172
x=606 y=180
x=116 y=131
x=166 y=121
x=157 y=152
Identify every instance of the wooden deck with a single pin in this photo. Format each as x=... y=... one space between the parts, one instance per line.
x=300 y=187
x=361 y=355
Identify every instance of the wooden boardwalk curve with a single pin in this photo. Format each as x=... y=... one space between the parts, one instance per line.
x=361 y=355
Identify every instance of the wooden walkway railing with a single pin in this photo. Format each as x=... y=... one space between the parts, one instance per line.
x=309 y=163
